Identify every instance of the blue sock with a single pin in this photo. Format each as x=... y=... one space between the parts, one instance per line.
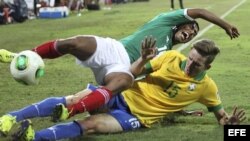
x=59 y=131
x=41 y=109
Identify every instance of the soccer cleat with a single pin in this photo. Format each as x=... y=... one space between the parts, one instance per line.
x=25 y=133
x=6 y=123
x=60 y=113
x=6 y=56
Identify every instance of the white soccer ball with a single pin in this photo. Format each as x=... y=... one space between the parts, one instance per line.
x=27 y=67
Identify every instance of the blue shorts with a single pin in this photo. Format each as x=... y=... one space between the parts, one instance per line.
x=119 y=109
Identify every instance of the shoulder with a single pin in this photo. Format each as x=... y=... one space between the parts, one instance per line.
x=170 y=54
x=175 y=53
x=211 y=85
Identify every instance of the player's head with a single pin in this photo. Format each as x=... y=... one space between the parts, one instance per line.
x=185 y=32
x=200 y=57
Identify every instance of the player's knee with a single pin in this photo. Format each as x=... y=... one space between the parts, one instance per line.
x=71 y=99
x=118 y=83
x=89 y=124
x=126 y=82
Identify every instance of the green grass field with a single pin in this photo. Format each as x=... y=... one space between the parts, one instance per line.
x=230 y=71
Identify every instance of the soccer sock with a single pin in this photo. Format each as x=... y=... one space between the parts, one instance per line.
x=94 y=100
x=41 y=109
x=60 y=131
x=47 y=50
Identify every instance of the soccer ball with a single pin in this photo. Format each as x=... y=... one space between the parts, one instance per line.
x=27 y=67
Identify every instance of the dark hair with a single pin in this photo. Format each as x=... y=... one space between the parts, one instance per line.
x=206 y=48
x=175 y=28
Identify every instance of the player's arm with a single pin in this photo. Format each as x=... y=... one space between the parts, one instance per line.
x=190 y=112
x=148 y=51
x=231 y=30
x=237 y=116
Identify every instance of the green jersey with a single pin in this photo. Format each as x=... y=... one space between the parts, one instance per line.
x=161 y=28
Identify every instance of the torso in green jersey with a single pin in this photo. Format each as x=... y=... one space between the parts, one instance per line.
x=160 y=28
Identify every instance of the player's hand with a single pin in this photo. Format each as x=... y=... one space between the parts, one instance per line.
x=236 y=118
x=148 y=48
x=232 y=32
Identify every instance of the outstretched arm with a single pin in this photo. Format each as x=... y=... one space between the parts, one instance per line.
x=231 y=30
x=148 y=51
x=191 y=113
x=237 y=116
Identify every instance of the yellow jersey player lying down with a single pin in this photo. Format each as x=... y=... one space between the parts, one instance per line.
x=175 y=82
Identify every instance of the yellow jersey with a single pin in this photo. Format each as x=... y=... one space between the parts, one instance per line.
x=168 y=89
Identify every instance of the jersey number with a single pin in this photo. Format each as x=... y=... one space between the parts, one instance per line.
x=172 y=92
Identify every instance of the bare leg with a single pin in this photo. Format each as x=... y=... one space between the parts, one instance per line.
x=100 y=123
x=79 y=103
x=73 y=99
x=118 y=81
x=82 y=47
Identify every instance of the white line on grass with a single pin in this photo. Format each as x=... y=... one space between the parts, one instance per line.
x=182 y=47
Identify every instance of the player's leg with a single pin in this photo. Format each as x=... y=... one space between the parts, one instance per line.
x=116 y=82
x=6 y=56
x=113 y=70
x=40 y=109
x=181 y=4
x=82 y=47
x=97 y=98
x=116 y=120
x=171 y=4
x=102 y=123
x=43 y=108
x=60 y=112
x=25 y=132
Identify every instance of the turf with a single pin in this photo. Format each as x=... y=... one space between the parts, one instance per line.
x=62 y=77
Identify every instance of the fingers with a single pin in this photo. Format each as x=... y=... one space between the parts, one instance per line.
x=234 y=33
x=153 y=42
x=143 y=44
x=238 y=116
x=148 y=42
x=148 y=49
x=241 y=115
x=234 y=110
x=243 y=119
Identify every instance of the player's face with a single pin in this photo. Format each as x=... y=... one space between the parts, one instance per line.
x=195 y=64
x=186 y=33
